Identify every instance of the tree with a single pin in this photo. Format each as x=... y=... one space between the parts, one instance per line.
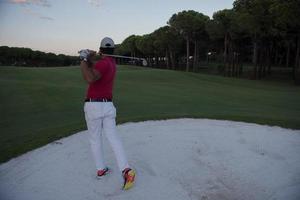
x=191 y=25
x=286 y=15
x=166 y=42
x=180 y=22
x=27 y=57
x=254 y=17
x=175 y=45
x=221 y=27
x=199 y=33
x=129 y=47
x=146 y=47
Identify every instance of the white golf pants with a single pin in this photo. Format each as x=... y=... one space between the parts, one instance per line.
x=100 y=118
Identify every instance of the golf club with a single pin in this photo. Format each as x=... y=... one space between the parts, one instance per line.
x=144 y=61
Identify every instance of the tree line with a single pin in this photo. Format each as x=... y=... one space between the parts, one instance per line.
x=15 y=56
x=264 y=33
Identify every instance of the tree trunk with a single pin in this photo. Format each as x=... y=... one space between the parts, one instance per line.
x=263 y=61
x=225 y=48
x=288 y=54
x=195 y=56
x=167 y=59
x=233 y=64
x=255 y=49
x=187 y=53
x=255 y=75
x=296 y=72
x=150 y=61
x=172 y=60
x=270 y=58
x=269 y=61
x=276 y=56
x=298 y=54
x=255 y=56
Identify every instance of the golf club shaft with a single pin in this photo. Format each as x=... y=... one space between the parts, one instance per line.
x=118 y=56
x=143 y=60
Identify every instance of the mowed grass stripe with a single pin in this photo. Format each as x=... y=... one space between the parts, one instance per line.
x=40 y=105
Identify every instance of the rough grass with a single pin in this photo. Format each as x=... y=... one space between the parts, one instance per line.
x=40 y=105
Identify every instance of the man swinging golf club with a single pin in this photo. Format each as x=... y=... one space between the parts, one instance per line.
x=100 y=112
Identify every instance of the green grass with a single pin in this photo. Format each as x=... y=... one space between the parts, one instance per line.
x=39 y=105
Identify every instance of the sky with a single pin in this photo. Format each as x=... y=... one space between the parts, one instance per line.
x=66 y=26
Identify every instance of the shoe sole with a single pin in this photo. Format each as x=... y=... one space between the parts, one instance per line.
x=130 y=184
x=106 y=173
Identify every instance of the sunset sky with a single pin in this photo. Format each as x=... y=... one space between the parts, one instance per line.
x=65 y=26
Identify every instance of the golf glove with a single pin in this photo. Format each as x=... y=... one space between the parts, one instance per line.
x=84 y=54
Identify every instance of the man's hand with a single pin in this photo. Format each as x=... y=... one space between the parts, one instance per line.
x=86 y=54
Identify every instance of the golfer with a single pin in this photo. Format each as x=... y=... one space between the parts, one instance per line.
x=99 y=109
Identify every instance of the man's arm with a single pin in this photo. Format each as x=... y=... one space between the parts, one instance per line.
x=89 y=74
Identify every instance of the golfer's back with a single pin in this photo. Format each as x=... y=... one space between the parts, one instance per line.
x=103 y=87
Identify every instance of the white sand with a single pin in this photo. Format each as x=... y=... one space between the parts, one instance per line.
x=175 y=159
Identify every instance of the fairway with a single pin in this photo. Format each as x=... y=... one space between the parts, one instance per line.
x=40 y=105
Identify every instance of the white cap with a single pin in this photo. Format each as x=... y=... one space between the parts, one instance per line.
x=107 y=43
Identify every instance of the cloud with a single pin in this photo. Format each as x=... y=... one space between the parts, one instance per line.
x=46 y=18
x=44 y=3
x=27 y=4
x=36 y=14
x=95 y=2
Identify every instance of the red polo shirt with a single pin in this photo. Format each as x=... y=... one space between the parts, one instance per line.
x=103 y=87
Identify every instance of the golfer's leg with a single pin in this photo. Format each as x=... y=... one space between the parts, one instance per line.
x=95 y=138
x=109 y=128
